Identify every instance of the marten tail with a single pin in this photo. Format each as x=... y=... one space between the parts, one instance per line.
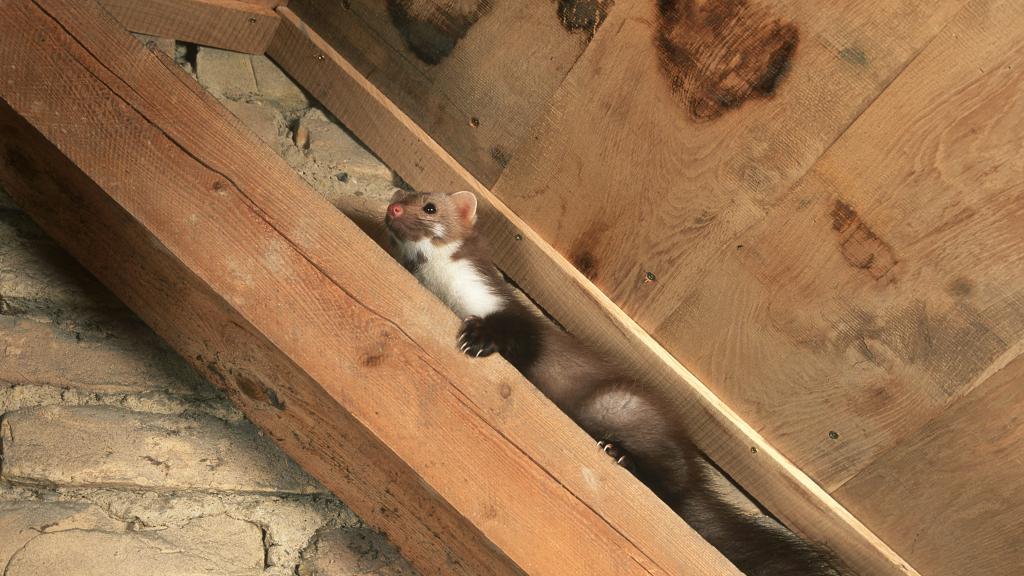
x=757 y=544
x=663 y=458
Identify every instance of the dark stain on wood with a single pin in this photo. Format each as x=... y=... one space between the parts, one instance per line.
x=432 y=28
x=258 y=391
x=952 y=343
x=705 y=217
x=717 y=54
x=854 y=56
x=500 y=155
x=879 y=397
x=376 y=352
x=842 y=216
x=22 y=164
x=581 y=251
x=17 y=161
x=860 y=246
x=585 y=262
x=372 y=360
x=214 y=373
x=583 y=15
x=961 y=287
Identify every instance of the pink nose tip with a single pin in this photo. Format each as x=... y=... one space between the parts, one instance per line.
x=395 y=210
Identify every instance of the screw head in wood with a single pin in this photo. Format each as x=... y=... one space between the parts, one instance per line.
x=519 y=237
x=252 y=19
x=319 y=57
x=474 y=122
x=833 y=434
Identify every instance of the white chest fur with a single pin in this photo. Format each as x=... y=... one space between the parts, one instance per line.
x=455 y=281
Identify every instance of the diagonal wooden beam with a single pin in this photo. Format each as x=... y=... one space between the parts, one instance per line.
x=580 y=306
x=322 y=340
x=239 y=25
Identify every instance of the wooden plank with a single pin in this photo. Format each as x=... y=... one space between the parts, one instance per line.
x=576 y=302
x=898 y=259
x=949 y=496
x=886 y=283
x=266 y=3
x=239 y=25
x=476 y=74
x=165 y=45
x=665 y=177
x=322 y=340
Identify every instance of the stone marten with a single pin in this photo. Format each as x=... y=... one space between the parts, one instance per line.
x=435 y=239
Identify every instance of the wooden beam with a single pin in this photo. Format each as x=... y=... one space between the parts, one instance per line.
x=564 y=292
x=973 y=451
x=239 y=25
x=322 y=340
x=266 y=3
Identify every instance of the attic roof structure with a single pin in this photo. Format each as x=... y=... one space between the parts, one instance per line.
x=802 y=224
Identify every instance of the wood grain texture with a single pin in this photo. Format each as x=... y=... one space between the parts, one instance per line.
x=949 y=496
x=577 y=303
x=266 y=3
x=476 y=74
x=627 y=179
x=165 y=45
x=239 y=25
x=899 y=258
x=322 y=339
x=887 y=282
x=839 y=310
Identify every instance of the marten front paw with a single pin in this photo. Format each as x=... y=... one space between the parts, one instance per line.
x=617 y=454
x=475 y=339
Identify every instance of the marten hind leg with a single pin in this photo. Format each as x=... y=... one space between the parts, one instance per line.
x=636 y=427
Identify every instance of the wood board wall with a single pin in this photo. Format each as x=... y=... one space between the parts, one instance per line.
x=819 y=211
x=476 y=74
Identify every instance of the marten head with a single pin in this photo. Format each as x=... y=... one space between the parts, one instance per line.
x=440 y=218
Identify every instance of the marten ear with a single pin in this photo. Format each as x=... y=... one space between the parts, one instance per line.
x=465 y=206
x=398 y=196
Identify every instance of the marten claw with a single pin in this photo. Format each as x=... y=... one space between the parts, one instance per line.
x=620 y=457
x=474 y=340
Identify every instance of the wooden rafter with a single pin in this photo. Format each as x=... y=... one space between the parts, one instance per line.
x=239 y=25
x=320 y=338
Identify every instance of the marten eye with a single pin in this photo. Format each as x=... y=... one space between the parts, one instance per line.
x=429 y=208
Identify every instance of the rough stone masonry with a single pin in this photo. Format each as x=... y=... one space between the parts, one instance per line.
x=115 y=458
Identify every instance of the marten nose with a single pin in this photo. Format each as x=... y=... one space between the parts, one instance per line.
x=394 y=210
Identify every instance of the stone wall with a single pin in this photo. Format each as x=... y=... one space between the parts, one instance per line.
x=115 y=458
